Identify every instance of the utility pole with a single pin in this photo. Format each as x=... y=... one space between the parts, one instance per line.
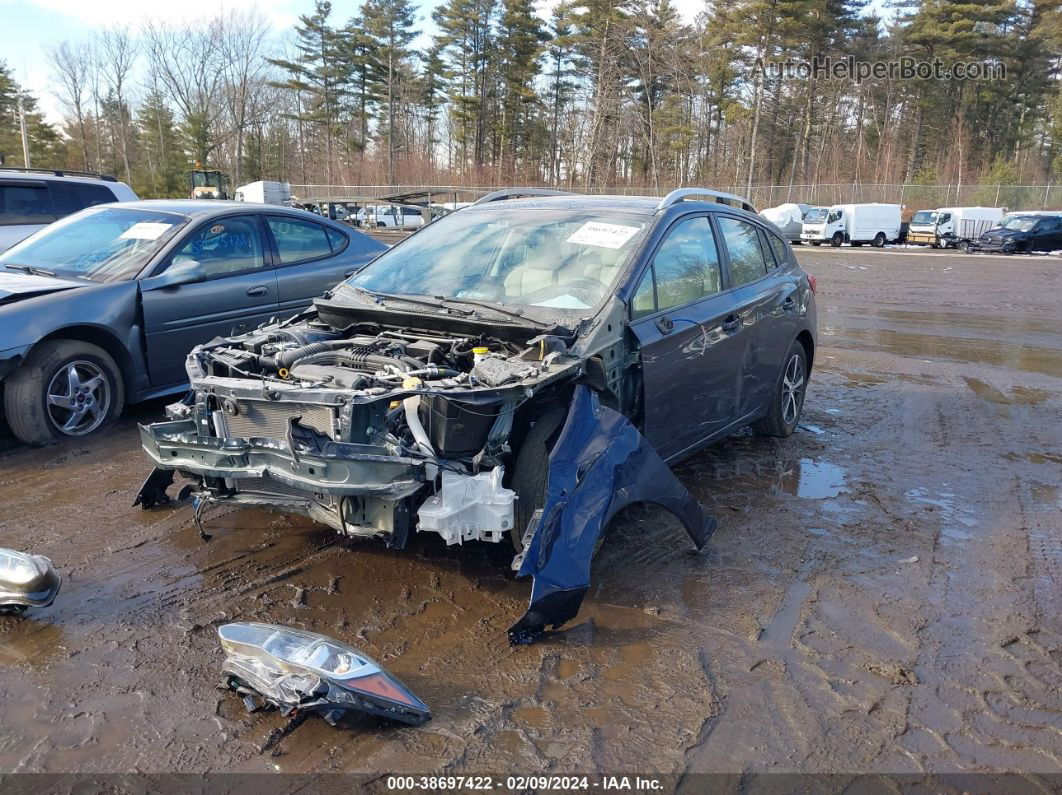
x=25 y=136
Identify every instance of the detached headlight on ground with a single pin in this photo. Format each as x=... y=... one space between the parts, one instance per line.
x=297 y=671
x=26 y=581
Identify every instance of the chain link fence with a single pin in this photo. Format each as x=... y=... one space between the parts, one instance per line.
x=912 y=196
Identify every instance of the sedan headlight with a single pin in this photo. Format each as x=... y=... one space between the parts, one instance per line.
x=26 y=581
x=295 y=670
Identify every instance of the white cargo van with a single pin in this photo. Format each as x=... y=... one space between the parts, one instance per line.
x=265 y=192
x=952 y=227
x=857 y=224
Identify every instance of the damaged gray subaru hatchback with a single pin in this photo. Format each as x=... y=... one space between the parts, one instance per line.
x=519 y=371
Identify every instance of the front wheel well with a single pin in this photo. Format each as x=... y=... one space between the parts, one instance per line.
x=805 y=339
x=102 y=339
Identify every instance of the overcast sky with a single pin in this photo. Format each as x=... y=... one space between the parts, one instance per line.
x=30 y=26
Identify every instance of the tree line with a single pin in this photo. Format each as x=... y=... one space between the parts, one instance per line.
x=602 y=94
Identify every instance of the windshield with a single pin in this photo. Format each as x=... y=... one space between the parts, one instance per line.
x=1019 y=223
x=108 y=244
x=925 y=217
x=816 y=215
x=560 y=259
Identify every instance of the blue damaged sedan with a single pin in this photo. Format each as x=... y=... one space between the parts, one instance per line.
x=101 y=308
x=517 y=371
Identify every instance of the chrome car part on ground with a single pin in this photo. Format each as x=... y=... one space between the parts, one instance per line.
x=297 y=671
x=519 y=369
x=26 y=581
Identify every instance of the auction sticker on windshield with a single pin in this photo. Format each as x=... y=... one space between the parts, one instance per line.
x=146 y=230
x=595 y=233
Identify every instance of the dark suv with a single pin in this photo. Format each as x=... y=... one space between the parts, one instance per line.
x=520 y=369
x=30 y=198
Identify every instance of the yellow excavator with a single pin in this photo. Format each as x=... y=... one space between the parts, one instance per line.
x=207 y=183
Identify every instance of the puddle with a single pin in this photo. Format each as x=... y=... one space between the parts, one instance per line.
x=25 y=641
x=1027 y=396
x=951 y=513
x=1047 y=494
x=1028 y=358
x=816 y=480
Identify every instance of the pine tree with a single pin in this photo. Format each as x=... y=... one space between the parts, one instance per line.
x=520 y=37
x=319 y=76
x=389 y=28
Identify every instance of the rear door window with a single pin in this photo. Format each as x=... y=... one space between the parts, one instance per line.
x=25 y=202
x=69 y=197
x=748 y=260
x=298 y=241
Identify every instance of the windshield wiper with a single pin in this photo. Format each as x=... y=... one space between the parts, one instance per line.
x=513 y=313
x=435 y=304
x=30 y=269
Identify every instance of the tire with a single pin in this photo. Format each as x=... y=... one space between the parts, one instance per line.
x=879 y=240
x=37 y=421
x=531 y=472
x=775 y=422
x=836 y=240
x=963 y=246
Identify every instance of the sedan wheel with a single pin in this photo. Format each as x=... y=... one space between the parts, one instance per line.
x=79 y=398
x=793 y=382
x=783 y=415
x=65 y=388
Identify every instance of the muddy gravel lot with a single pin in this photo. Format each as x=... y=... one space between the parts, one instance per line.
x=882 y=595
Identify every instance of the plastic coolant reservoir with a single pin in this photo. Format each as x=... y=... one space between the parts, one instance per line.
x=469 y=508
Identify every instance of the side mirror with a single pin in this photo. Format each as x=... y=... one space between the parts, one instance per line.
x=185 y=272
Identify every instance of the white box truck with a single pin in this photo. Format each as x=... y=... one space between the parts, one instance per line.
x=265 y=192
x=952 y=227
x=857 y=224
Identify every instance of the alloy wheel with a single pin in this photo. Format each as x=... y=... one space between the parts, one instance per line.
x=78 y=398
x=792 y=389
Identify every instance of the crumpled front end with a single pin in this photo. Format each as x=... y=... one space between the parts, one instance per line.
x=353 y=430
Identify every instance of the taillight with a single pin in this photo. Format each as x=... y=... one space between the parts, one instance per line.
x=813 y=282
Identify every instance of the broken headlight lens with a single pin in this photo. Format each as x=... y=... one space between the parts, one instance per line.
x=26 y=580
x=296 y=670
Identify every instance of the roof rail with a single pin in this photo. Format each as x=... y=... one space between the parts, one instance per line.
x=513 y=193
x=60 y=172
x=722 y=198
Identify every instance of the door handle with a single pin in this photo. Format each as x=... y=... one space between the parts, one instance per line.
x=254 y=292
x=731 y=324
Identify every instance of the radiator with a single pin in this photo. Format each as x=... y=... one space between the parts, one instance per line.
x=270 y=418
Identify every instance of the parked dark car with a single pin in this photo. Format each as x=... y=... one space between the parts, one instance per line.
x=1023 y=233
x=101 y=308
x=521 y=369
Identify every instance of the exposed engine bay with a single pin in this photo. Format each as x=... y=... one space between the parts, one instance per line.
x=383 y=430
x=427 y=404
